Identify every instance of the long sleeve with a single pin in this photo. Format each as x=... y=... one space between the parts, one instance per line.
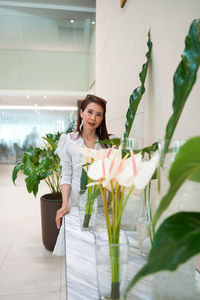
x=65 y=159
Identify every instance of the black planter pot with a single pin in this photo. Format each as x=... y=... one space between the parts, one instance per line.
x=49 y=205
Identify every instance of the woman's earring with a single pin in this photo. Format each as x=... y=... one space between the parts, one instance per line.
x=81 y=125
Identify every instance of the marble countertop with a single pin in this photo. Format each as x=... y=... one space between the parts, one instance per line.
x=81 y=266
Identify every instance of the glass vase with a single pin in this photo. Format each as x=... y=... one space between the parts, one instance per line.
x=111 y=265
x=187 y=197
x=144 y=223
x=130 y=214
x=87 y=211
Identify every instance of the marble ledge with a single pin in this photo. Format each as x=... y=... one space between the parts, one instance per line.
x=81 y=267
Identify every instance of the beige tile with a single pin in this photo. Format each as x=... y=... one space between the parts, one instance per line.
x=28 y=246
x=9 y=226
x=34 y=296
x=28 y=270
x=30 y=276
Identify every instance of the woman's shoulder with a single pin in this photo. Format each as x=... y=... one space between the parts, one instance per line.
x=65 y=137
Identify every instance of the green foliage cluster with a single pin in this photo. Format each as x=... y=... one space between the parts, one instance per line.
x=42 y=163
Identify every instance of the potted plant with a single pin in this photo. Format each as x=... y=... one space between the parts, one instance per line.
x=43 y=163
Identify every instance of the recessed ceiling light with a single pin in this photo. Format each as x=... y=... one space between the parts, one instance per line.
x=71 y=21
x=93 y=22
x=27 y=97
x=44 y=97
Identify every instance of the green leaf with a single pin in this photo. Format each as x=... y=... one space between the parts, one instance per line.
x=94 y=195
x=177 y=240
x=90 y=201
x=83 y=181
x=136 y=96
x=16 y=169
x=184 y=79
x=150 y=149
x=50 y=141
x=111 y=142
x=185 y=166
x=29 y=167
x=31 y=182
x=35 y=188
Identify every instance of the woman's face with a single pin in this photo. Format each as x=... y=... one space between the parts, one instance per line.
x=92 y=116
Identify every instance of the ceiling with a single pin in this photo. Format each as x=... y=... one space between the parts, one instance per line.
x=61 y=11
x=40 y=98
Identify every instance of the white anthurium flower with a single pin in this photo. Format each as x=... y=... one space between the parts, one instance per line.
x=99 y=169
x=91 y=155
x=138 y=174
x=107 y=168
x=88 y=154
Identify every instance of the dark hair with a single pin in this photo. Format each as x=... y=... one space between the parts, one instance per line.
x=101 y=131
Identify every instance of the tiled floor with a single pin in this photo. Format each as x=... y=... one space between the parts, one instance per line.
x=27 y=269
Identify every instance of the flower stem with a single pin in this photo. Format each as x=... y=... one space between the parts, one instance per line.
x=147 y=195
x=106 y=212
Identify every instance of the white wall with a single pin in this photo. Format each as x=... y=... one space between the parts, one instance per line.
x=121 y=36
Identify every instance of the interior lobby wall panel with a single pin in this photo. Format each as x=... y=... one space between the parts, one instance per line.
x=43 y=70
x=120 y=53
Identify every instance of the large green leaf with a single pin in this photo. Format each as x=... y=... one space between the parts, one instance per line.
x=185 y=166
x=16 y=170
x=83 y=181
x=29 y=167
x=31 y=181
x=177 y=240
x=136 y=96
x=184 y=79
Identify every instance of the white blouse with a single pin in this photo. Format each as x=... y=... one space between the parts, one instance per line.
x=69 y=159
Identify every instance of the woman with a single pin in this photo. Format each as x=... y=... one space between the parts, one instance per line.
x=91 y=127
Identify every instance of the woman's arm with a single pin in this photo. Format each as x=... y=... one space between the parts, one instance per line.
x=65 y=190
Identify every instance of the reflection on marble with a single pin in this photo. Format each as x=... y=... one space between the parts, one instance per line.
x=81 y=266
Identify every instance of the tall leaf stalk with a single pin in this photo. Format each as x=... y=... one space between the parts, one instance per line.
x=183 y=80
x=137 y=94
x=118 y=202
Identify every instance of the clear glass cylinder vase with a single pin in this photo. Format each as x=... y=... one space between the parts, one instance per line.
x=87 y=211
x=144 y=223
x=187 y=197
x=111 y=265
x=130 y=214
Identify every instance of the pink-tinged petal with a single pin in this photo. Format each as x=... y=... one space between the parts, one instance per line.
x=112 y=163
x=133 y=163
x=109 y=151
x=95 y=170
x=103 y=168
x=122 y=163
x=146 y=172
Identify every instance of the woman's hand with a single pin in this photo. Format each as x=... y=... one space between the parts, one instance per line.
x=60 y=214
